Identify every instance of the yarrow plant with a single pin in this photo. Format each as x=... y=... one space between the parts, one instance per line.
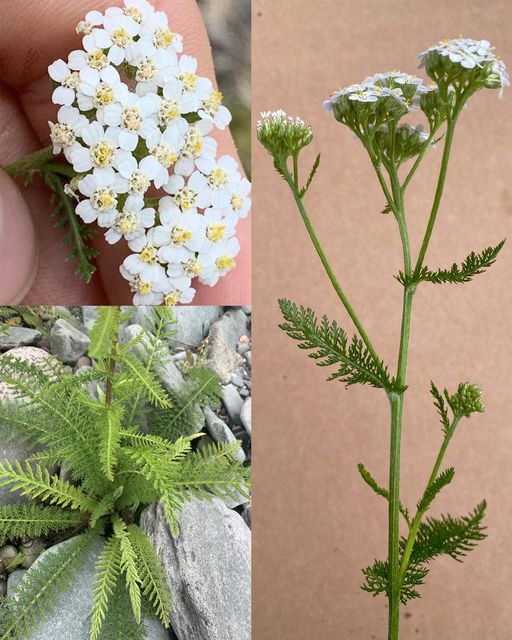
x=134 y=127
x=373 y=110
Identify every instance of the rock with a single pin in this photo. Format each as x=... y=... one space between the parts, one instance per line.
x=67 y=342
x=13 y=449
x=82 y=362
x=232 y=401
x=207 y=567
x=31 y=551
x=236 y=379
x=3 y=588
x=89 y=315
x=247 y=309
x=71 y=618
x=248 y=357
x=19 y=337
x=243 y=347
x=247 y=513
x=7 y=554
x=13 y=580
x=193 y=324
x=220 y=432
x=223 y=339
x=245 y=416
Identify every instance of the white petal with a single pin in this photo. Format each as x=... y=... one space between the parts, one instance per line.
x=128 y=140
x=58 y=70
x=85 y=210
x=63 y=95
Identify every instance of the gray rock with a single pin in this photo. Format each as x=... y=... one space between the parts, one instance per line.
x=193 y=324
x=89 y=315
x=248 y=357
x=236 y=379
x=19 y=337
x=232 y=401
x=67 y=342
x=223 y=340
x=247 y=309
x=220 y=432
x=13 y=580
x=207 y=568
x=245 y=416
x=247 y=514
x=243 y=347
x=70 y=620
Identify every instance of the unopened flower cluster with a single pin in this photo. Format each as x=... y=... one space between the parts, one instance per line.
x=135 y=116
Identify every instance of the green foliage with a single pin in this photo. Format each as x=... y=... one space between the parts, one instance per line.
x=441 y=407
x=472 y=266
x=377 y=580
x=372 y=483
x=202 y=388
x=450 y=536
x=115 y=469
x=330 y=347
x=443 y=479
x=104 y=332
x=37 y=595
x=312 y=174
x=35 y=316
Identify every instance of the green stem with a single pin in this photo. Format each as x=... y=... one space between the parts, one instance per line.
x=33 y=162
x=418 y=160
x=327 y=266
x=439 y=191
x=413 y=530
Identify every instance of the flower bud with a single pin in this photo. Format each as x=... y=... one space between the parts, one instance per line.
x=466 y=400
x=281 y=135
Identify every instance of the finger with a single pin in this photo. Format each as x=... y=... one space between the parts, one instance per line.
x=35 y=95
x=27 y=230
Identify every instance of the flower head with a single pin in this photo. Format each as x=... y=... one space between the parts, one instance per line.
x=466 y=400
x=281 y=135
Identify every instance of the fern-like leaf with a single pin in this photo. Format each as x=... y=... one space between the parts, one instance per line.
x=108 y=567
x=104 y=332
x=472 y=266
x=145 y=380
x=39 y=484
x=450 y=536
x=377 y=580
x=128 y=565
x=119 y=622
x=443 y=479
x=152 y=576
x=440 y=405
x=372 y=483
x=312 y=174
x=38 y=592
x=110 y=436
x=330 y=347
x=26 y=520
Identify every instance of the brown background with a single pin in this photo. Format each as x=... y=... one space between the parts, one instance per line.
x=316 y=524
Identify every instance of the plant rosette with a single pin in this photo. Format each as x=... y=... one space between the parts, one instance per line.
x=134 y=125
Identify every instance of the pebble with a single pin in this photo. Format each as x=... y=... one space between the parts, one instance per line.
x=67 y=342
x=82 y=362
x=220 y=432
x=31 y=551
x=232 y=401
x=237 y=380
x=245 y=416
x=248 y=357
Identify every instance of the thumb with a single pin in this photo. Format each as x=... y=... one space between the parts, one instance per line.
x=18 y=250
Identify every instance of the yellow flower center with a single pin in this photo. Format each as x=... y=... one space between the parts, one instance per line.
x=188 y=81
x=213 y=103
x=192 y=268
x=104 y=94
x=163 y=38
x=97 y=59
x=164 y=154
x=237 y=202
x=139 y=182
x=134 y=14
x=121 y=37
x=215 y=232
x=186 y=198
x=193 y=143
x=225 y=263
x=218 y=178
x=131 y=118
x=126 y=222
x=168 y=111
x=172 y=299
x=179 y=235
x=104 y=199
x=102 y=153
x=62 y=134
x=146 y=70
x=149 y=254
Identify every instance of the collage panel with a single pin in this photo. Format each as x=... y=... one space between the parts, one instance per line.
x=127 y=160
x=125 y=455
x=386 y=255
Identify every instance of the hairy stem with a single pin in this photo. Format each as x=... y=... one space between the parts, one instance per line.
x=34 y=161
x=328 y=268
x=111 y=371
x=413 y=529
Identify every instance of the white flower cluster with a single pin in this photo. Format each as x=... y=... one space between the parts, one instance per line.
x=133 y=110
x=281 y=134
x=379 y=86
x=469 y=54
